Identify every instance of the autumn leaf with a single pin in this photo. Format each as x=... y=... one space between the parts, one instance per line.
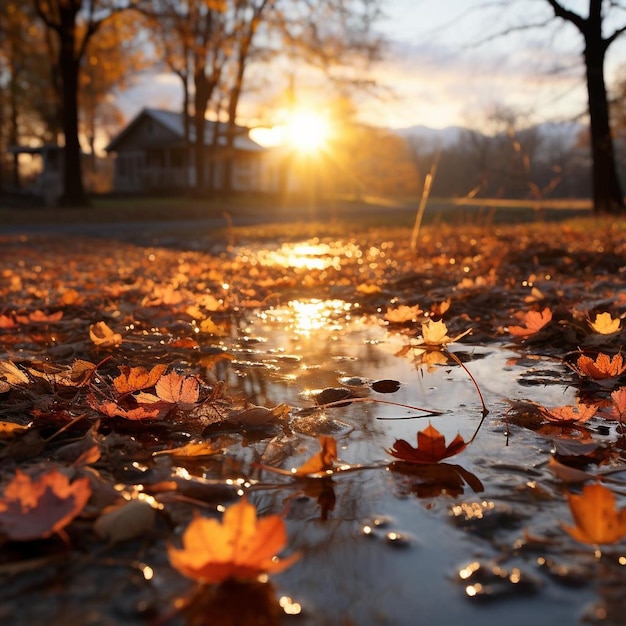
x=431 y=447
x=602 y=368
x=533 y=321
x=569 y=414
x=43 y=318
x=322 y=462
x=605 y=324
x=38 y=508
x=7 y=322
x=76 y=375
x=177 y=389
x=436 y=334
x=596 y=519
x=192 y=450
x=10 y=376
x=103 y=337
x=137 y=378
x=403 y=314
x=241 y=547
x=142 y=411
x=617 y=410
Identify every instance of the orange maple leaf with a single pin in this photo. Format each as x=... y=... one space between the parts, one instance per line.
x=142 y=411
x=605 y=324
x=602 y=368
x=136 y=378
x=322 y=462
x=177 y=389
x=38 y=508
x=596 y=519
x=431 y=447
x=568 y=414
x=533 y=322
x=436 y=334
x=241 y=547
x=617 y=410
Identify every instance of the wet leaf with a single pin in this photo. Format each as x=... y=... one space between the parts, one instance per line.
x=38 y=508
x=258 y=415
x=193 y=450
x=178 y=389
x=436 y=334
x=569 y=414
x=386 y=386
x=431 y=447
x=240 y=547
x=103 y=337
x=125 y=521
x=322 y=462
x=137 y=378
x=403 y=314
x=533 y=322
x=605 y=324
x=602 y=368
x=596 y=519
x=330 y=395
x=10 y=376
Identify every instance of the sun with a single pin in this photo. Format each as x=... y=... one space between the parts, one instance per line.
x=307 y=131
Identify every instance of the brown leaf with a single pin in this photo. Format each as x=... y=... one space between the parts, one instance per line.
x=177 y=389
x=103 y=337
x=38 y=508
x=431 y=447
x=137 y=378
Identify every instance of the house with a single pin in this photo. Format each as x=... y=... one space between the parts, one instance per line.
x=151 y=155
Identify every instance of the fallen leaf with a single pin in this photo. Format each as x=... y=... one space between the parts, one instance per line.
x=258 y=415
x=192 y=450
x=605 y=324
x=137 y=378
x=569 y=414
x=322 y=462
x=177 y=389
x=241 y=547
x=10 y=376
x=436 y=334
x=617 y=410
x=103 y=337
x=126 y=521
x=596 y=519
x=38 y=508
x=8 y=430
x=431 y=447
x=403 y=314
x=602 y=368
x=533 y=322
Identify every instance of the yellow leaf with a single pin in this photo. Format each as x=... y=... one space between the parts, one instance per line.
x=605 y=324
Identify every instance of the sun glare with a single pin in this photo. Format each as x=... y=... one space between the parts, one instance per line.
x=307 y=131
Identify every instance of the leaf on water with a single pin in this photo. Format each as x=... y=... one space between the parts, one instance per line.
x=436 y=334
x=178 y=389
x=567 y=474
x=125 y=521
x=38 y=508
x=533 y=322
x=103 y=337
x=137 y=378
x=403 y=314
x=604 y=324
x=322 y=462
x=596 y=519
x=240 y=547
x=258 y=415
x=602 y=368
x=617 y=410
x=569 y=414
x=431 y=447
x=192 y=450
x=330 y=395
x=386 y=386
x=39 y=317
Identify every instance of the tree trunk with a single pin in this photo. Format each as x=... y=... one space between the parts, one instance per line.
x=73 y=191
x=201 y=98
x=607 y=192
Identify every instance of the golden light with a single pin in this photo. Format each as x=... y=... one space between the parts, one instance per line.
x=307 y=131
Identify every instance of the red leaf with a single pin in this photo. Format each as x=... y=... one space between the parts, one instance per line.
x=431 y=447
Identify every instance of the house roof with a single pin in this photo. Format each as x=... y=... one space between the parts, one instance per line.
x=173 y=121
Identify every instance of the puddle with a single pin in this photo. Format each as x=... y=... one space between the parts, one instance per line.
x=442 y=545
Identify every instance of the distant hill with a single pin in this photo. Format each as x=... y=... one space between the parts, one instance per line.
x=433 y=138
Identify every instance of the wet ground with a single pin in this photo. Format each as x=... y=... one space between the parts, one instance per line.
x=474 y=539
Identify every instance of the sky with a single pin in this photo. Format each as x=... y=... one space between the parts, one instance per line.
x=446 y=66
